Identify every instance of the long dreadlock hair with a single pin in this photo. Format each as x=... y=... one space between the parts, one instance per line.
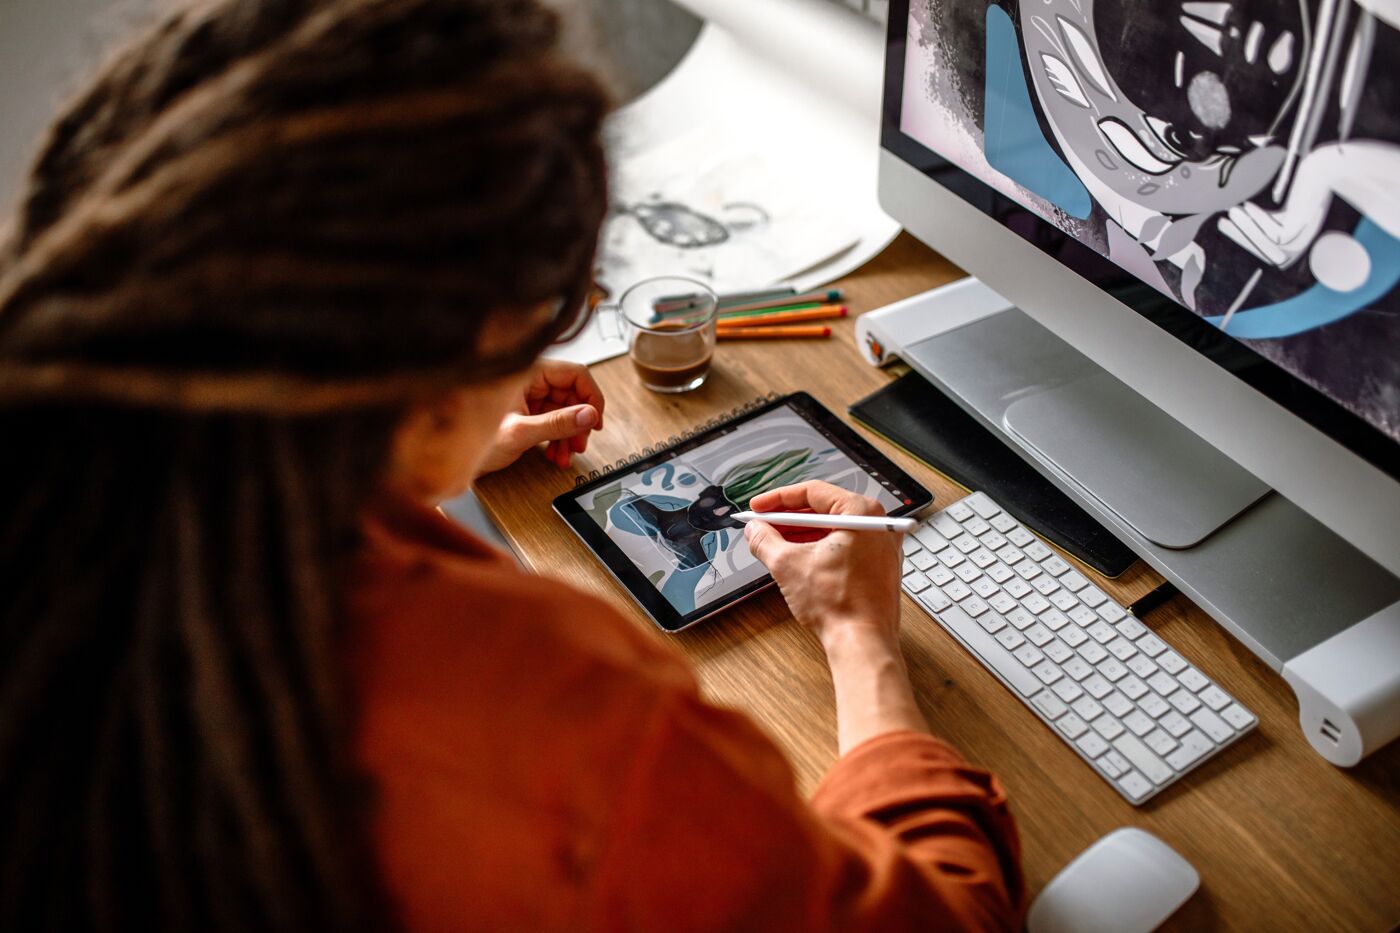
x=266 y=230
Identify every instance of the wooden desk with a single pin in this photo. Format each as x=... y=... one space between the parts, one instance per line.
x=1282 y=839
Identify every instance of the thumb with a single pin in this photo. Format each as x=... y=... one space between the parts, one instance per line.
x=764 y=542
x=554 y=425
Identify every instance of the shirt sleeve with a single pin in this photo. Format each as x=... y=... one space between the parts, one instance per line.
x=712 y=834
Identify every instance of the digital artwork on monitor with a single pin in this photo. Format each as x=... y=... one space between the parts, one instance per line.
x=1243 y=158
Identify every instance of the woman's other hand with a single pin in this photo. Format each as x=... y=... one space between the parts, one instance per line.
x=843 y=578
x=561 y=406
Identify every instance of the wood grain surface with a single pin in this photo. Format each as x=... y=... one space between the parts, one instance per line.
x=1282 y=839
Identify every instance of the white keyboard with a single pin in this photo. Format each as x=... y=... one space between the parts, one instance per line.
x=1133 y=708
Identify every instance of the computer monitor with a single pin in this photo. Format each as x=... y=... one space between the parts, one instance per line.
x=1202 y=197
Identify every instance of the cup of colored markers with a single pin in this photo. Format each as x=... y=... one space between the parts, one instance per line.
x=776 y=314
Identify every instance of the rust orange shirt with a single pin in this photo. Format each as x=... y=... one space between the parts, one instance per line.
x=542 y=764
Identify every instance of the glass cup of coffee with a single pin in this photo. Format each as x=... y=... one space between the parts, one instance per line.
x=669 y=325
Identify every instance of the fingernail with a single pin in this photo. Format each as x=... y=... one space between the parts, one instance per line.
x=586 y=416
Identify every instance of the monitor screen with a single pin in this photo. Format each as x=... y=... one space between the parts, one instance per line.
x=1240 y=158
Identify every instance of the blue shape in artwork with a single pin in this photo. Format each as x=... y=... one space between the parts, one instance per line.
x=667 y=470
x=626 y=519
x=686 y=479
x=1012 y=140
x=1321 y=305
x=679 y=588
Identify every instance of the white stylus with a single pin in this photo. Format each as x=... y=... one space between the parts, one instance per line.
x=842 y=522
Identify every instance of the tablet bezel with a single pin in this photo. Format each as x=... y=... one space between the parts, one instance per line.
x=667 y=618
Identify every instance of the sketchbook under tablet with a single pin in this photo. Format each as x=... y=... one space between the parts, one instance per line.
x=660 y=521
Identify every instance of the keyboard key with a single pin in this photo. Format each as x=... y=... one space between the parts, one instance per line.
x=1071 y=725
x=916 y=582
x=908 y=568
x=1073 y=581
x=1064 y=600
x=1132 y=687
x=1171 y=662
x=991 y=654
x=930 y=538
x=1054 y=619
x=1121 y=648
x=1141 y=665
x=1048 y=672
x=1107 y=726
x=1190 y=678
x=923 y=560
x=1093 y=652
x=1084 y=617
x=1017 y=587
x=957 y=591
x=1011 y=554
x=973 y=605
x=1176 y=724
x=1153 y=705
x=1087 y=707
x=991 y=622
x=993 y=540
x=944 y=524
x=1035 y=603
x=1029 y=655
x=1110 y=668
x=1237 y=716
x=1212 y=725
x=1151 y=645
x=966 y=544
x=1092 y=596
x=960 y=510
x=1215 y=698
x=1118 y=761
x=1001 y=602
x=1098 y=687
x=940 y=574
x=1112 y=612
x=986 y=588
x=1019 y=536
x=1159 y=741
x=1000 y=572
x=982 y=504
x=1049 y=704
x=1045 y=584
x=1010 y=639
x=1143 y=759
x=1193 y=746
x=1039 y=634
x=1054 y=564
x=1185 y=701
x=1102 y=632
x=976 y=527
x=1139 y=723
x=1003 y=522
x=1020 y=618
x=1059 y=652
x=1162 y=682
x=1036 y=550
x=1131 y=628
x=1109 y=766
x=950 y=557
x=1074 y=637
x=1117 y=704
x=982 y=558
x=1027 y=569
x=1092 y=744
x=910 y=546
x=1135 y=785
x=1078 y=668
x=967 y=572
x=935 y=599
x=1067 y=690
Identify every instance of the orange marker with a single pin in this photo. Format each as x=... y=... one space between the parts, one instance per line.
x=825 y=312
x=746 y=333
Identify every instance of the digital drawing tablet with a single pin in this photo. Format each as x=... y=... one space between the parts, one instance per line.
x=660 y=525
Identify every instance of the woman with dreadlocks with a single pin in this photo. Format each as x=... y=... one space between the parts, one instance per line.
x=278 y=282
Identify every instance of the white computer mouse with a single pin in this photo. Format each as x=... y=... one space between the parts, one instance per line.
x=1127 y=882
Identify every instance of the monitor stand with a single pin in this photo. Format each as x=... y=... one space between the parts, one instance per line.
x=1275 y=577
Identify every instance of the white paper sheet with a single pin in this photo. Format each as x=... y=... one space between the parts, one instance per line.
x=780 y=98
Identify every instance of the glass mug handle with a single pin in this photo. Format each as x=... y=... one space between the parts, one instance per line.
x=601 y=314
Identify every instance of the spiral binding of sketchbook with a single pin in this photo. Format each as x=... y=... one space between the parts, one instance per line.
x=674 y=440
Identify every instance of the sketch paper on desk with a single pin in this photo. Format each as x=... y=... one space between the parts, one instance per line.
x=672 y=519
x=729 y=139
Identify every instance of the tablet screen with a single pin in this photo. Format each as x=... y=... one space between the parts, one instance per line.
x=669 y=516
